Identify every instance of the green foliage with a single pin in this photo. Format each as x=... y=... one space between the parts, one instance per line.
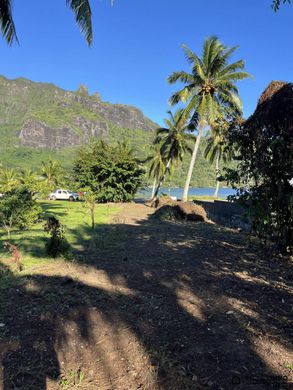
x=209 y=91
x=110 y=173
x=174 y=142
x=57 y=244
x=262 y=178
x=9 y=179
x=52 y=174
x=18 y=210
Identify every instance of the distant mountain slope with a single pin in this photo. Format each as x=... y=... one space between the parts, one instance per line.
x=42 y=115
x=40 y=121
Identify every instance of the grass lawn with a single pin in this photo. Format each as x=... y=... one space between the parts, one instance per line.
x=74 y=216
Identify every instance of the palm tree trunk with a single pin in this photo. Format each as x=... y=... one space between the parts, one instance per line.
x=217 y=174
x=192 y=162
x=162 y=179
x=154 y=188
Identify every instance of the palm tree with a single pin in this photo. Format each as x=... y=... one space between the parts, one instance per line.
x=30 y=180
x=8 y=179
x=216 y=149
x=125 y=149
x=51 y=173
x=81 y=9
x=157 y=166
x=174 y=141
x=209 y=89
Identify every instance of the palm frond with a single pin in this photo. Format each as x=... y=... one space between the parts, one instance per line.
x=6 y=21
x=181 y=76
x=83 y=17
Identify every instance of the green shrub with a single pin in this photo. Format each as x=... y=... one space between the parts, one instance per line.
x=111 y=173
x=18 y=210
x=57 y=244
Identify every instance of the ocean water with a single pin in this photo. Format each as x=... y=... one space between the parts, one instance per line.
x=223 y=192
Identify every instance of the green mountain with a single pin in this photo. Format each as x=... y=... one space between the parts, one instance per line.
x=40 y=121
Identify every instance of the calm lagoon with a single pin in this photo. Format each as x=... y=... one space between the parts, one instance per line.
x=173 y=191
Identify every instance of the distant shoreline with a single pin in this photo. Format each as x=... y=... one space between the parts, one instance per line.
x=224 y=192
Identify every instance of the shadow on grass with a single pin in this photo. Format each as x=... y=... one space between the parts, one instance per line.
x=192 y=296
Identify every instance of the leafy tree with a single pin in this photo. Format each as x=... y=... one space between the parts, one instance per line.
x=264 y=172
x=18 y=210
x=81 y=9
x=110 y=173
x=217 y=148
x=9 y=179
x=174 y=141
x=210 y=91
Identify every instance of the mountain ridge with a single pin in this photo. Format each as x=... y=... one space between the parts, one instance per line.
x=39 y=121
x=49 y=117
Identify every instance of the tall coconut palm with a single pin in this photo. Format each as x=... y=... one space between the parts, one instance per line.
x=9 y=179
x=81 y=9
x=52 y=174
x=216 y=150
x=174 y=140
x=209 y=89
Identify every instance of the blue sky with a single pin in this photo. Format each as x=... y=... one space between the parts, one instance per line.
x=137 y=45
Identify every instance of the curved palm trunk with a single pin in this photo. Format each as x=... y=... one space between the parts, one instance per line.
x=192 y=162
x=154 y=188
x=162 y=180
x=217 y=174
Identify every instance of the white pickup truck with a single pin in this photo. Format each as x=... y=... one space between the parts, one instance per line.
x=64 y=195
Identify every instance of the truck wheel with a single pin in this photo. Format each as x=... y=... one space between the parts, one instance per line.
x=71 y=198
x=53 y=197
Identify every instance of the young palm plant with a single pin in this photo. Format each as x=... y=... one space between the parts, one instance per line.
x=157 y=166
x=30 y=180
x=52 y=174
x=216 y=150
x=174 y=141
x=9 y=179
x=209 y=89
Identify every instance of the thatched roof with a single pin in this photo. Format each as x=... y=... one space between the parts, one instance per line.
x=275 y=106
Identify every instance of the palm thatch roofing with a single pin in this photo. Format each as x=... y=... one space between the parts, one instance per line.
x=275 y=107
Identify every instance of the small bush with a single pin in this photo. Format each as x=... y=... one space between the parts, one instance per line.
x=57 y=244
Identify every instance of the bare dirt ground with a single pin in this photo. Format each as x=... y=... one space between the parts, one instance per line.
x=150 y=305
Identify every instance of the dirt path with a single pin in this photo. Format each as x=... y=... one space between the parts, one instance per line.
x=151 y=305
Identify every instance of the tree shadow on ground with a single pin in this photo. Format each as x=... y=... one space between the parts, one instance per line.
x=159 y=305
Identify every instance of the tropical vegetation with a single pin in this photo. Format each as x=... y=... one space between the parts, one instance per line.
x=111 y=173
x=217 y=149
x=210 y=91
x=263 y=175
x=174 y=142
